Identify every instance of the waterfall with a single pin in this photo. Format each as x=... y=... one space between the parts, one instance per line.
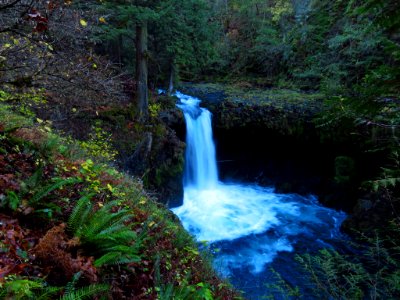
x=248 y=224
x=200 y=163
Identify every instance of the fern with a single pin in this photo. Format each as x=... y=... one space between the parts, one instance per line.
x=80 y=212
x=86 y=292
x=104 y=232
x=104 y=221
x=32 y=182
x=12 y=200
x=47 y=293
x=70 y=287
x=22 y=288
x=281 y=288
x=390 y=177
x=117 y=258
x=49 y=188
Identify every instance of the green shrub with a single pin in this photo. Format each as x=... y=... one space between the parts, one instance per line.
x=373 y=273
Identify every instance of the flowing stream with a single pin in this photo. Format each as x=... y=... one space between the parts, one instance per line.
x=248 y=227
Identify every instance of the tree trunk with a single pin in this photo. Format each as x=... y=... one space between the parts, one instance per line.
x=171 y=80
x=142 y=94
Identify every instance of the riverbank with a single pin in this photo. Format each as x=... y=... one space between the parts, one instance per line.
x=72 y=226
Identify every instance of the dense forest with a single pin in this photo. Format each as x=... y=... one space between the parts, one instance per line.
x=90 y=157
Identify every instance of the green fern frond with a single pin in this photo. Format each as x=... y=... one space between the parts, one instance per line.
x=47 y=293
x=103 y=219
x=32 y=182
x=104 y=232
x=121 y=248
x=86 y=292
x=124 y=236
x=49 y=188
x=12 y=200
x=79 y=213
x=116 y=258
x=22 y=288
x=116 y=229
x=70 y=287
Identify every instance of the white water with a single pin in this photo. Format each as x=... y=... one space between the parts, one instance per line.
x=201 y=165
x=250 y=224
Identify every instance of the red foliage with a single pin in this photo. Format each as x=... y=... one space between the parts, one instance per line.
x=8 y=182
x=15 y=243
x=56 y=253
x=42 y=23
x=14 y=166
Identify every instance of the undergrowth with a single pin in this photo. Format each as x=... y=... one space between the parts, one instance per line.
x=73 y=228
x=371 y=272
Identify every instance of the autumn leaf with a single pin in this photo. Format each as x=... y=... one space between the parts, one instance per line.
x=83 y=22
x=102 y=20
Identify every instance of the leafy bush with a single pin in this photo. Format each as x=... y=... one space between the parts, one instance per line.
x=373 y=271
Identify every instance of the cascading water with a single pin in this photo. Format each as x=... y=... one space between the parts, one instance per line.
x=201 y=165
x=250 y=225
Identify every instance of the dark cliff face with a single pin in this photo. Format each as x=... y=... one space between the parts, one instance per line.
x=158 y=157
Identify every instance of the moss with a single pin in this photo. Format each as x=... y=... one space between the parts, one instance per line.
x=169 y=170
x=11 y=120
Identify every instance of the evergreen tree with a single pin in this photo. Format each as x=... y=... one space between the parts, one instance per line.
x=128 y=20
x=169 y=36
x=182 y=39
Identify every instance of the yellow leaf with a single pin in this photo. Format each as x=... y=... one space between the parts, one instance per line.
x=102 y=20
x=83 y=22
x=40 y=121
x=152 y=223
x=110 y=187
x=94 y=66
